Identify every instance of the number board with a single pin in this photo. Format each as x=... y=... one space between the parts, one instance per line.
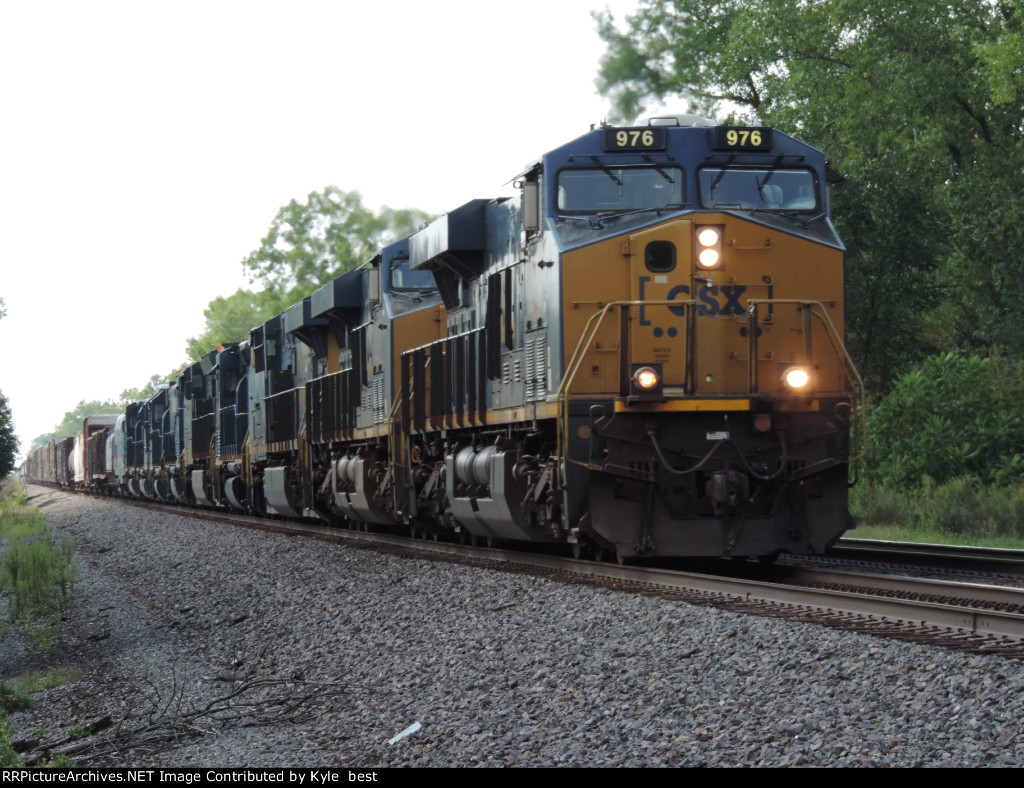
x=644 y=138
x=743 y=138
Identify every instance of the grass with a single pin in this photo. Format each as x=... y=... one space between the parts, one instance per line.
x=37 y=574
x=8 y=757
x=35 y=680
x=37 y=571
x=17 y=519
x=81 y=731
x=18 y=696
x=959 y=512
x=13 y=698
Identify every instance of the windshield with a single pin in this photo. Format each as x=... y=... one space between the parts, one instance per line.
x=767 y=188
x=404 y=278
x=613 y=189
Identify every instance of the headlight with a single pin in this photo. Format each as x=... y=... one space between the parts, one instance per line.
x=708 y=236
x=645 y=378
x=645 y=382
x=708 y=258
x=709 y=247
x=797 y=378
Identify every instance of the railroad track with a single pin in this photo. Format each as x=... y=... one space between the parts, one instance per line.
x=982 y=564
x=973 y=616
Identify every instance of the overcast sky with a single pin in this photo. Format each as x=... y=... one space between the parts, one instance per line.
x=145 y=148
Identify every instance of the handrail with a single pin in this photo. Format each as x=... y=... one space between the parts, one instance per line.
x=594 y=323
x=393 y=448
x=818 y=310
x=589 y=332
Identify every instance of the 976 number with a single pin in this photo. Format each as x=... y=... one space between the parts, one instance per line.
x=742 y=138
x=636 y=138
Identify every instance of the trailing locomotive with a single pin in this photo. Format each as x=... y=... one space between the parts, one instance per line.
x=640 y=355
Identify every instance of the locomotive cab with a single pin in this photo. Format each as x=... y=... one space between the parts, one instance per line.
x=707 y=396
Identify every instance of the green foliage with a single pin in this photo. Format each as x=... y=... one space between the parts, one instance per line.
x=59 y=761
x=71 y=424
x=8 y=757
x=35 y=680
x=18 y=523
x=12 y=493
x=955 y=415
x=961 y=511
x=37 y=573
x=13 y=698
x=229 y=319
x=916 y=103
x=309 y=243
x=8 y=440
x=80 y=731
x=312 y=242
x=134 y=395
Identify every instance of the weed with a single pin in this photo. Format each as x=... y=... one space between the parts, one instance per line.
x=13 y=698
x=81 y=731
x=12 y=492
x=961 y=511
x=8 y=757
x=37 y=572
x=60 y=761
x=34 y=681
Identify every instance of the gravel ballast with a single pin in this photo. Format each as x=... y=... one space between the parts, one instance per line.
x=497 y=669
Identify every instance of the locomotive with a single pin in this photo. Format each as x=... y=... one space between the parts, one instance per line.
x=641 y=354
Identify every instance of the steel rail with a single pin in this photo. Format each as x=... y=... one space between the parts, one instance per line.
x=991 y=559
x=828 y=605
x=1008 y=597
x=913 y=612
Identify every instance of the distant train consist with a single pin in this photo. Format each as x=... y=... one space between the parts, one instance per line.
x=640 y=355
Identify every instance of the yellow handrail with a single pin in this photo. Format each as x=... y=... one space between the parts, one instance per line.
x=594 y=323
x=818 y=310
x=589 y=332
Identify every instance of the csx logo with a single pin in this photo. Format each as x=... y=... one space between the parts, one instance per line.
x=711 y=300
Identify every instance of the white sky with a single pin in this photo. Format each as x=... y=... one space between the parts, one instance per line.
x=145 y=148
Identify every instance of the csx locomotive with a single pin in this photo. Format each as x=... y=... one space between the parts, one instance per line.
x=640 y=355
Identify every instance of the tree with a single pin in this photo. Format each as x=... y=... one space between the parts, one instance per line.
x=155 y=381
x=312 y=242
x=918 y=105
x=71 y=424
x=8 y=440
x=229 y=319
x=309 y=243
x=955 y=415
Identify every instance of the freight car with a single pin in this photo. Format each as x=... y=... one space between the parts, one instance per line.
x=641 y=354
